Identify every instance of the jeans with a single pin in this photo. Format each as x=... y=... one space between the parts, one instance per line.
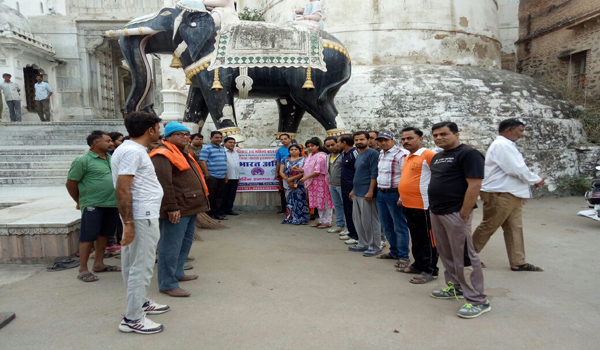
x=14 y=110
x=173 y=249
x=338 y=204
x=394 y=223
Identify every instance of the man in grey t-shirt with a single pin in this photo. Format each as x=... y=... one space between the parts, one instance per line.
x=12 y=95
x=139 y=195
x=364 y=208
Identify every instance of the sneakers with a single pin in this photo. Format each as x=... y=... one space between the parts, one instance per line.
x=143 y=326
x=383 y=244
x=371 y=252
x=449 y=292
x=356 y=248
x=345 y=237
x=152 y=308
x=335 y=230
x=471 y=311
x=188 y=266
x=351 y=241
x=345 y=231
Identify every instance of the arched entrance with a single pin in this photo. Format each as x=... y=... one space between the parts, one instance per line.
x=29 y=74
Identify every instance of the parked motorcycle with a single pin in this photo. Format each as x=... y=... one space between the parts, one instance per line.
x=593 y=198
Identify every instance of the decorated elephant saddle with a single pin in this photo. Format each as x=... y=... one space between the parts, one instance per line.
x=250 y=44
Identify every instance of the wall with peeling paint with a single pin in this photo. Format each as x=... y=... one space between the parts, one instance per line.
x=477 y=99
x=508 y=23
x=390 y=32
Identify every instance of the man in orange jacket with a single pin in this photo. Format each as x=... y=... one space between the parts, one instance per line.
x=185 y=196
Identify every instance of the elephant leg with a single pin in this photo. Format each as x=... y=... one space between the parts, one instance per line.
x=220 y=103
x=290 y=115
x=196 y=109
x=325 y=114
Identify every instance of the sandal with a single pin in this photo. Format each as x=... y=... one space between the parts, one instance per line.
x=109 y=268
x=387 y=256
x=402 y=263
x=88 y=277
x=527 y=267
x=324 y=226
x=409 y=269
x=423 y=278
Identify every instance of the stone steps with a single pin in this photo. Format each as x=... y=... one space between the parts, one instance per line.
x=24 y=173
x=32 y=181
x=35 y=165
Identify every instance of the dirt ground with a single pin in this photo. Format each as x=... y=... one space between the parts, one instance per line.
x=264 y=285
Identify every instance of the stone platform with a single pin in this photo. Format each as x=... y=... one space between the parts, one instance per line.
x=37 y=224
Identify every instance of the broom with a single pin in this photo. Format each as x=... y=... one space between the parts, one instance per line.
x=204 y=221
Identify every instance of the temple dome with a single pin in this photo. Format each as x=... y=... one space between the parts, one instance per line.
x=14 y=18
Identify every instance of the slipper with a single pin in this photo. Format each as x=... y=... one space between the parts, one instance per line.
x=409 y=269
x=402 y=263
x=63 y=264
x=6 y=317
x=88 y=277
x=324 y=226
x=315 y=225
x=387 y=256
x=423 y=278
x=527 y=267
x=109 y=268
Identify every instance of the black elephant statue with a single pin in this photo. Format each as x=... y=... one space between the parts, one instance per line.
x=296 y=90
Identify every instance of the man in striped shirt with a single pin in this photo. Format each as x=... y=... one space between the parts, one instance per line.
x=213 y=161
x=392 y=219
x=413 y=197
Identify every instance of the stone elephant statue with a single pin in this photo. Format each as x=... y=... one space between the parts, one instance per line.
x=192 y=35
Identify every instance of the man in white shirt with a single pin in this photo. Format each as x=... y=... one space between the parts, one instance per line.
x=43 y=92
x=504 y=188
x=12 y=95
x=233 y=176
x=139 y=195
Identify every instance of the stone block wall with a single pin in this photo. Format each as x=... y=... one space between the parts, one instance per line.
x=547 y=41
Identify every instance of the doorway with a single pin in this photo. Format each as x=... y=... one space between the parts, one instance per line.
x=29 y=74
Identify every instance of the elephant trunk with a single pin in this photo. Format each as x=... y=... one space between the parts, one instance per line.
x=131 y=32
x=133 y=49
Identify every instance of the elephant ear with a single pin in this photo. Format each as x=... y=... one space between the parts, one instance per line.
x=197 y=29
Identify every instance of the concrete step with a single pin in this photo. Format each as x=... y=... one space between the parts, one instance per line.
x=39 y=158
x=33 y=181
x=35 y=165
x=24 y=173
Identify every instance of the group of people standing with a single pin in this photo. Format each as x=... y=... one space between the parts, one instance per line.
x=149 y=190
x=12 y=95
x=413 y=194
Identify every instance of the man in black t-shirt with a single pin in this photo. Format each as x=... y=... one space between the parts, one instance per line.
x=456 y=175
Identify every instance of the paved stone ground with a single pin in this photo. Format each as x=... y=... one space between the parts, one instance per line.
x=267 y=286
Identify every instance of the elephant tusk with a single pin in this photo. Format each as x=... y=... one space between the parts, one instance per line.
x=131 y=32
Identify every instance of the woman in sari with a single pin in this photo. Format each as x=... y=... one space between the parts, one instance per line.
x=315 y=180
x=295 y=193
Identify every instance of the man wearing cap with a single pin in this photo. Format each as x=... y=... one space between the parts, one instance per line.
x=12 y=95
x=391 y=159
x=185 y=195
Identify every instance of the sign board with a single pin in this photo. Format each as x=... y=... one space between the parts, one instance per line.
x=257 y=170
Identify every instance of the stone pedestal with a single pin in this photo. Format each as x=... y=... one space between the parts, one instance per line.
x=38 y=243
x=174 y=102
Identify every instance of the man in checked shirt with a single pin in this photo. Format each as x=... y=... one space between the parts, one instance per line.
x=391 y=159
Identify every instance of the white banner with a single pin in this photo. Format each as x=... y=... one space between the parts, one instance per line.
x=257 y=170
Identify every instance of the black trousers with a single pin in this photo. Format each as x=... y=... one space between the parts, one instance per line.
x=282 y=196
x=423 y=244
x=230 y=193
x=348 y=214
x=216 y=193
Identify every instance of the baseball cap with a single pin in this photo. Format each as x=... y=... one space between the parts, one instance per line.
x=384 y=135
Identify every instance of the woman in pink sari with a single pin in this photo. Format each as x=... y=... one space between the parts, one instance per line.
x=315 y=180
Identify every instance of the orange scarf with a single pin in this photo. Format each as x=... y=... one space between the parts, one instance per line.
x=174 y=155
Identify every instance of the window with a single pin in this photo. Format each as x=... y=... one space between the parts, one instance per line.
x=577 y=70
